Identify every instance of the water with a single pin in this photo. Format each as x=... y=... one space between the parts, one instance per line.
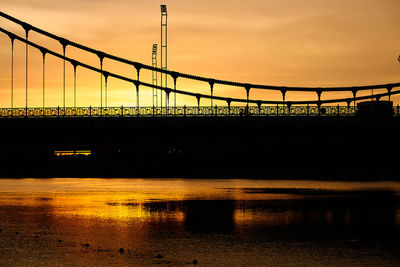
x=85 y=222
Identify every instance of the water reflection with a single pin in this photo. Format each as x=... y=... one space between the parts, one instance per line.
x=209 y=215
x=191 y=217
x=361 y=214
x=349 y=215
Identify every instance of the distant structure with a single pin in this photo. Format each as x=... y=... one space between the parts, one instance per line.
x=164 y=51
x=154 y=75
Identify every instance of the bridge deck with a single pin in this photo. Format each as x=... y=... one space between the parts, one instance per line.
x=265 y=147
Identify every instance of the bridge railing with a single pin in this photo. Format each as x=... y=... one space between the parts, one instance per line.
x=277 y=110
x=181 y=111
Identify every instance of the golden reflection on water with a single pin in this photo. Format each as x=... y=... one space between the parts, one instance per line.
x=113 y=205
x=128 y=199
x=250 y=221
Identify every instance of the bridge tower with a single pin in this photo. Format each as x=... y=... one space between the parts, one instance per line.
x=164 y=51
x=154 y=75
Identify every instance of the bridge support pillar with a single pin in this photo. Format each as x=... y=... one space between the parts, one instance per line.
x=289 y=105
x=198 y=104
x=389 y=89
x=167 y=92
x=229 y=106
x=354 y=91
x=348 y=106
x=174 y=76
x=27 y=28
x=259 y=107
x=12 y=38
x=137 y=97
x=211 y=82
x=247 y=88
x=101 y=56
x=43 y=72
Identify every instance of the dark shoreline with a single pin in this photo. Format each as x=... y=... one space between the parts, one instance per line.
x=305 y=148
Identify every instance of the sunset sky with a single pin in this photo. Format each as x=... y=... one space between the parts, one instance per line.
x=285 y=42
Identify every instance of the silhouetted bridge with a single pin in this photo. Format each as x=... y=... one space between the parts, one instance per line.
x=234 y=106
x=248 y=137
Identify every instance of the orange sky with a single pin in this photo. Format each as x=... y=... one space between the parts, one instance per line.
x=285 y=42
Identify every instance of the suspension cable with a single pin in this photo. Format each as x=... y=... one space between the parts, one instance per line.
x=190 y=76
x=169 y=90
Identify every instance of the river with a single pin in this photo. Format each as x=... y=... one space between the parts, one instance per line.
x=187 y=222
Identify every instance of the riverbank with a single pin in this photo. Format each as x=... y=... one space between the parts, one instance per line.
x=201 y=147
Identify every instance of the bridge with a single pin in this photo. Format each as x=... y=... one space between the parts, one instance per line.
x=246 y=137
x=205 y=102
